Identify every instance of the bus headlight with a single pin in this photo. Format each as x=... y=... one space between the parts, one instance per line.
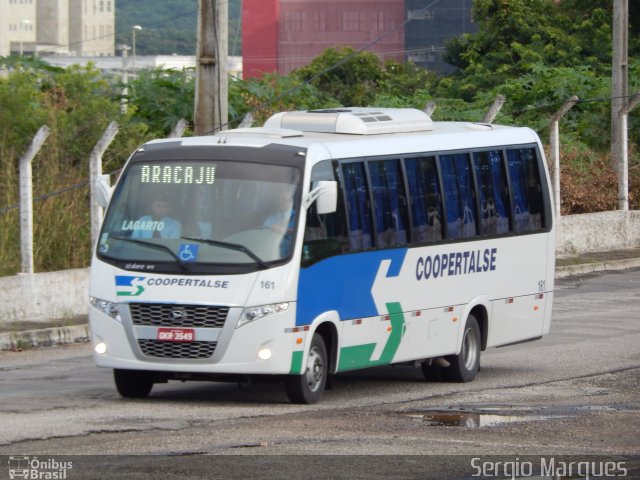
x=255 y=313
x=106 y=307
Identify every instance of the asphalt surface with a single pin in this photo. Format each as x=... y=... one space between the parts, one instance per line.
x=571 y=395
x=27 y=335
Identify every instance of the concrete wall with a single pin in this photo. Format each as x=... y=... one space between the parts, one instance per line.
x=44 y=296
x=52 y=295
x=594 y=232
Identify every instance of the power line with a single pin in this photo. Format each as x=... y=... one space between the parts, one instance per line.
x=543 y=106
x=335 y=65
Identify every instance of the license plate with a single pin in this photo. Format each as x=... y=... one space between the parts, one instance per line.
x=176 y=334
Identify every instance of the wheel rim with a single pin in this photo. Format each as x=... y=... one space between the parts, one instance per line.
x=469 y=349
x=315 y=370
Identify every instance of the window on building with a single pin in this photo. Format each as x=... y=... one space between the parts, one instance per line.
x=378 y=21
x=351 y=21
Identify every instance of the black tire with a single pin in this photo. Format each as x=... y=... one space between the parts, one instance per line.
x=464 y=367
x=309 y=387
x=432 y=373
x=132 y=383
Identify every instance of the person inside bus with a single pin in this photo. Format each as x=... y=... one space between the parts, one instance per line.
x=282 y=220
x=159 y=224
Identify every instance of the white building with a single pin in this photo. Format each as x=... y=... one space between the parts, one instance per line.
x=55 y=27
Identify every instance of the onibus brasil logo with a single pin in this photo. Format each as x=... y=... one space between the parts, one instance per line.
x=34 y=468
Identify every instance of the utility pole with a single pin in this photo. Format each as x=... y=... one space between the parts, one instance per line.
x=619 y=92
x=211 y=103
x=124 y=78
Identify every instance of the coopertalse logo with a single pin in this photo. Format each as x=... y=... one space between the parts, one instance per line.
x=133 y=286
x=129 y=286
x=33 y=467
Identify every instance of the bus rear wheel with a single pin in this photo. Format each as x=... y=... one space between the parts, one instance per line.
x=465 y=366
x=132 y=383
x=308 y=387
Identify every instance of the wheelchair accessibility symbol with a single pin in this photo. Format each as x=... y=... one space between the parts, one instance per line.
x=188 y=252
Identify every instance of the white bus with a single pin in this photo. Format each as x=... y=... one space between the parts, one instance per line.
x=323 y=242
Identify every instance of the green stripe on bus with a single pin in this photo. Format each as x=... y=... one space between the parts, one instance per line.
x=395 y=337
x=359 y=356
x=296 y=363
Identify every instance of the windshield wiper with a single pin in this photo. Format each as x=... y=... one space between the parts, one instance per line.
x=230 y=246
x=157 y=246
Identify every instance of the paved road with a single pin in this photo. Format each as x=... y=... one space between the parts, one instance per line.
x=572 y=393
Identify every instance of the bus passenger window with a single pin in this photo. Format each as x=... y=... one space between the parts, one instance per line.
x=494 y=192
x=526 y=189
x=390 y=204
x=425 y=198
x=459 y=198
x=358 y=206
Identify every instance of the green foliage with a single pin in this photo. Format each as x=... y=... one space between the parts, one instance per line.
x=169 y=26
x=352 y=79
x=77 y=104
x=535 y=52
x=517 y=36
x=160 y=98
x=273 y=93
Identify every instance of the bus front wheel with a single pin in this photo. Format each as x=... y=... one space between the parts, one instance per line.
x=465 y=366
x=132 y=383
x=308 y=387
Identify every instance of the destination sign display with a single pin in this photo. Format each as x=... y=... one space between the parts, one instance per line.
x=178 y=174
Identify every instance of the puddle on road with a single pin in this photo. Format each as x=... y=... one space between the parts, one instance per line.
x=490 y=415
x=471 y=420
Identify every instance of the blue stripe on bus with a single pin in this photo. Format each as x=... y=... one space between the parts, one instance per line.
x=343 y=283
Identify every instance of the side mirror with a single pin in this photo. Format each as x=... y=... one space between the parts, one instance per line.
x=325 y=194
x=103 y=191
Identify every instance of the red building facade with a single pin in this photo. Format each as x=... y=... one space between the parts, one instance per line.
x=282 y=35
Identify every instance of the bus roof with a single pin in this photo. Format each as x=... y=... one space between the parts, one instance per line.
x=349 y=134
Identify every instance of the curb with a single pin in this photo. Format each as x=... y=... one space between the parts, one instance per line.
x=44 y=337
x=48 y=337
x=583 y=268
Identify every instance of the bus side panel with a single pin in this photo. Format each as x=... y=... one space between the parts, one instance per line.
x=515 y=319
x=430 y=333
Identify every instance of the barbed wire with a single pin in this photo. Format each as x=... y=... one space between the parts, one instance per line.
x=543 y=106
x=328 y=69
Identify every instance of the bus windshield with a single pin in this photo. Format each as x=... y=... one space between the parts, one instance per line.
x=201 y=216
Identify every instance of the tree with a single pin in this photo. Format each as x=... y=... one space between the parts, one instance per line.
x=162 y=97
x=350 y=78
x=271 y=93
x=516 y=36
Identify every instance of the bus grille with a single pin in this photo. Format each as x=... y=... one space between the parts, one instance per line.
x=173 y=315
x=155 y=348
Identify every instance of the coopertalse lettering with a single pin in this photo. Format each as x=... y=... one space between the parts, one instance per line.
x=178 y=174
x=456 y=263
x=188 y=282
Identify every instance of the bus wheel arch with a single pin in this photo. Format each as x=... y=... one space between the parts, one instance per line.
x=464 y=366
x=329 y=333
x=482 y=317
x=319 y=364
